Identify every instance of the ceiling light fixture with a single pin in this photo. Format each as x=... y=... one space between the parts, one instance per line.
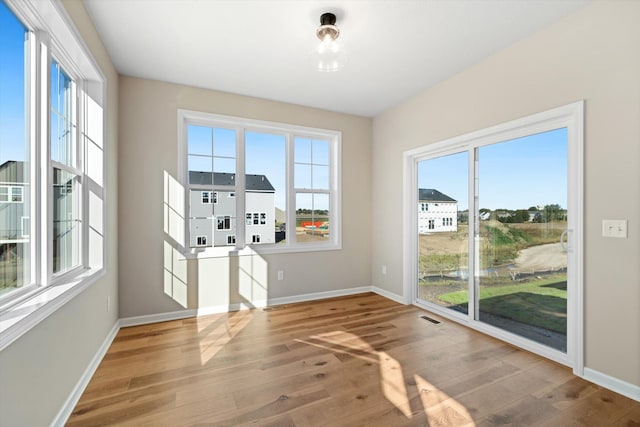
x=331 y=55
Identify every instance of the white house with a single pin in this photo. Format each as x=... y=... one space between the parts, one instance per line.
x=437 y=212
x=213 y=212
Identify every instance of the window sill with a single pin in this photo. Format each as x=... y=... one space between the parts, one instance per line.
x=221 y=252
x=20 y=317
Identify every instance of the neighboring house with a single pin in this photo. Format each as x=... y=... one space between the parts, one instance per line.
x=213 y=213
x=437 y=212
x=14 y=220
x=485 y=216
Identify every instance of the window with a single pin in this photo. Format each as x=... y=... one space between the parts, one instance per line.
x=224 y=223
x=16 y=194
x=205 y=197
x=431 y=224
x=9 y=194
x=53 y=145
x=201 y=240
x=231 y=239
x=272 y=174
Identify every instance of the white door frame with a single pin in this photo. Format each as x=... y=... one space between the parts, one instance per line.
x=569 y=116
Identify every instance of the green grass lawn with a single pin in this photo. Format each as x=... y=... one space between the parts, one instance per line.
x=541 y=303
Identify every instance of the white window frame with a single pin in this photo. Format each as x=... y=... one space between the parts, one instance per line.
x=569 y=116
x=226 y=220
x=242 y=125
x=52 y=35
x=205 y=195
x=20 y=193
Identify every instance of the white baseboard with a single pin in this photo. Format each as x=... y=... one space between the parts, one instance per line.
x=624 y=388
x=81 y=385
x=225 y=308
x=319 y=295
x=389 y=295
x=158 y=317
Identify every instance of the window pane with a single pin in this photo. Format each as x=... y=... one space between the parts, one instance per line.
x=200 y=218
x=265 y=166
x=311 y=167
x=224 y=142
x=302 y=150
x=302 y=176
x=14 y=155
x=312 y=217
x=63 y=147
x=212 y=218
x=200 y=140
x=211 y=150
x=320 y=177
x=522 y=200
x=224 y=165
x=66 y=220
x=200 y=170
x=320 y=152
x=443 y=231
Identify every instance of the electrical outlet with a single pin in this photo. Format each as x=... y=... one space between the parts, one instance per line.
x=280 y=274
x=108 y=304
x=384 y=269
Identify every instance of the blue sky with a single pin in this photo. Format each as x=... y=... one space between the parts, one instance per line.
x=514 y=174
x=12 y=124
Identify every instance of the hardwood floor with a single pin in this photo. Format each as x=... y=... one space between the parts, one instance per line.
x=353 y=361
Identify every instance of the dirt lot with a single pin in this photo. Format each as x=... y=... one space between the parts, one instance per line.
x=445 y=243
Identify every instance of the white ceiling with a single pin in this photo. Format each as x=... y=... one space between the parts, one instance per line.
x=263 y=48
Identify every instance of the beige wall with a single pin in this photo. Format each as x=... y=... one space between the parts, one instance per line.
x=591 y=55
x=41 y=368
x=148 y=150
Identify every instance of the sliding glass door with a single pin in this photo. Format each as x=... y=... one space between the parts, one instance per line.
x=497 y=232
x=522 y=264
x=443 y=231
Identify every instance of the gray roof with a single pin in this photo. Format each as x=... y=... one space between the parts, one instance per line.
x=253 y=182
x=12 y=171
x=431 y=195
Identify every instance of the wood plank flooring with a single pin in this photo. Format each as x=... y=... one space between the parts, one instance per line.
x=354 y=361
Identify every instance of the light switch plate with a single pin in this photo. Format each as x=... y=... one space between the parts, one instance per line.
x=614 y=228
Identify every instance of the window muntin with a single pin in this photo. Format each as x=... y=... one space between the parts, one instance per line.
x=265 y=175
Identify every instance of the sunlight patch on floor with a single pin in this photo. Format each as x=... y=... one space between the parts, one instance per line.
x=213 y=336
x=440 y=408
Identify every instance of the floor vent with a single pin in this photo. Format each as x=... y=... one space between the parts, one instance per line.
x=274 y=308
x=430 y=319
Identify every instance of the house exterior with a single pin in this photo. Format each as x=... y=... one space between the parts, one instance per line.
x=14 y=223
x=213 y=212
x=437 y=212
x=14 y=220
